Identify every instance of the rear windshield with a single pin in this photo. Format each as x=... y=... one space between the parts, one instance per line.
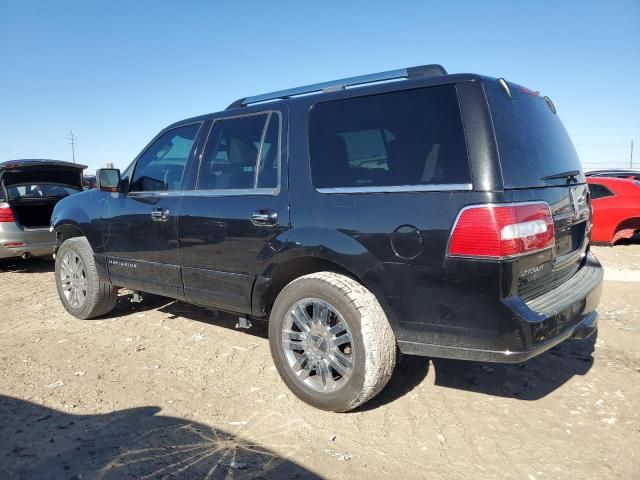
x=405 y=138
x=532 y=142
x=41 y=175
x=18 y=192
x=40 y=182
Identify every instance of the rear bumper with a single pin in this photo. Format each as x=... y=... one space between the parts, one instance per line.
x=584 y=329
x=38 y=242
x=533 y=327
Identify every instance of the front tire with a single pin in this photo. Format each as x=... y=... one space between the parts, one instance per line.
x=80 y=289
x=331 y=342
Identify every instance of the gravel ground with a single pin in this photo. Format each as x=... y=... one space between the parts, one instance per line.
x=165 y=389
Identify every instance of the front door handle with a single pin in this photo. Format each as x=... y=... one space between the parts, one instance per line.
x=160 y=214
x=264 y=218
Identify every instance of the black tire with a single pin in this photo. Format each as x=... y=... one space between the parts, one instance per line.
x=373 y=356
x=100 y=297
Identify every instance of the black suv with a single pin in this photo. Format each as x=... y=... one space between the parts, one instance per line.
x=434 y=214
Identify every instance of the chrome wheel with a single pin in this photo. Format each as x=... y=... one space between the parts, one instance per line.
x=318 y=345
x=73 y=279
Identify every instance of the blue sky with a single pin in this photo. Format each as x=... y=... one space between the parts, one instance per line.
x=116 y=72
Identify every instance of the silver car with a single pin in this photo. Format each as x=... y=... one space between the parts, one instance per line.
x=29 y=189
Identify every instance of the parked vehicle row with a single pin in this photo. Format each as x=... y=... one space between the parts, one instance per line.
x=420 y=212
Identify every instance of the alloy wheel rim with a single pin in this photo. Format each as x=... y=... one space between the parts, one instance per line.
x=318 y=345
x=73 y=278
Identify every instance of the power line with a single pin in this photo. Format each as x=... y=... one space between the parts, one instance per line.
x=72 y=142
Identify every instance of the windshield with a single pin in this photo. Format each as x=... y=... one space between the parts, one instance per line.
x=18 y=192
x=532 y=141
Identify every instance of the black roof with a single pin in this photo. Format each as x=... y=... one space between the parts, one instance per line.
x=613 y=171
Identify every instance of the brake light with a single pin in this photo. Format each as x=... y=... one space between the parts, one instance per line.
x=502 y=231
x=6 y=215
x=14 y=244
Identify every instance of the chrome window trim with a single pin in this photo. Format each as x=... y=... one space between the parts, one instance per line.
x=155 y=193
x=441 y=187
x=231 y=192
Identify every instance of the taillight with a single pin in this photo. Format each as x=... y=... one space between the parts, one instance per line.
x=6 y=215
x=502 y=231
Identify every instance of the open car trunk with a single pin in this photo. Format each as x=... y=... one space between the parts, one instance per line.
x=33 y=187
x=33 y=213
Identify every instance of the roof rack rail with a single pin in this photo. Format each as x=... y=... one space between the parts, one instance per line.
x=333 y=85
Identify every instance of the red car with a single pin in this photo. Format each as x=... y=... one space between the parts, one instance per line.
x=616 y=208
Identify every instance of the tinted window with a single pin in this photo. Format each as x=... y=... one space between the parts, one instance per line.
x=161 y=166
x=599 y=191
x=532 y=142
x=242 y=153
x=412 y=137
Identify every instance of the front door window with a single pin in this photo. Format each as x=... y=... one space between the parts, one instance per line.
x=161 y=166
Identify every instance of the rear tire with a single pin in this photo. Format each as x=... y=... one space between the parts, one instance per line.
x=80 y=289
x=331 y=342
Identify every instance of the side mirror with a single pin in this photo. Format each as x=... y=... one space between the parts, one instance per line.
x=108 y=180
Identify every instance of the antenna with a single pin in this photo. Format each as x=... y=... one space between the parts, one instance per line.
x=631 y=156
x=72 y=142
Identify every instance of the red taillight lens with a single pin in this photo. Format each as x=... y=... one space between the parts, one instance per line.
x=6 y=215
x=501 y=231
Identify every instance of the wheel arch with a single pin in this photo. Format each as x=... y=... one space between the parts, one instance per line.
x=66 y=230
x=346 y=256
x=626 y=229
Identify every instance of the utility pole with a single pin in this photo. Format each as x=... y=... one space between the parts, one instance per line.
x=631 y=156
x=72 y=142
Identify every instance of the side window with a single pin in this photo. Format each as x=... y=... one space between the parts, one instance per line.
x=411 y=137
x=242 y=153
x=599 y=191
x=161 y=166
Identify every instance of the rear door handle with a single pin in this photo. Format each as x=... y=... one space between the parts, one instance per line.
x=264 y=218
x=160 y=214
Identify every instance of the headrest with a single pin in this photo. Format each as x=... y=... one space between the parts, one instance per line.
x=241 y=153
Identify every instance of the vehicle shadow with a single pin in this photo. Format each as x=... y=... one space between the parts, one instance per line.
x=531 y=380
x=42 y=443
x=409 y=373
x=175 y=309
x=33 y=265
x=635 y=240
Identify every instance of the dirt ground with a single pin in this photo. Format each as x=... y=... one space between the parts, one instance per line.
x=163 y=389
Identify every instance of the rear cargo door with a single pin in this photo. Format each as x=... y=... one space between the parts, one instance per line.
x=539 y=163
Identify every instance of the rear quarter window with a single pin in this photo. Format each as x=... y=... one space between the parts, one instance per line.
x=599 y=191
x=406 y=138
